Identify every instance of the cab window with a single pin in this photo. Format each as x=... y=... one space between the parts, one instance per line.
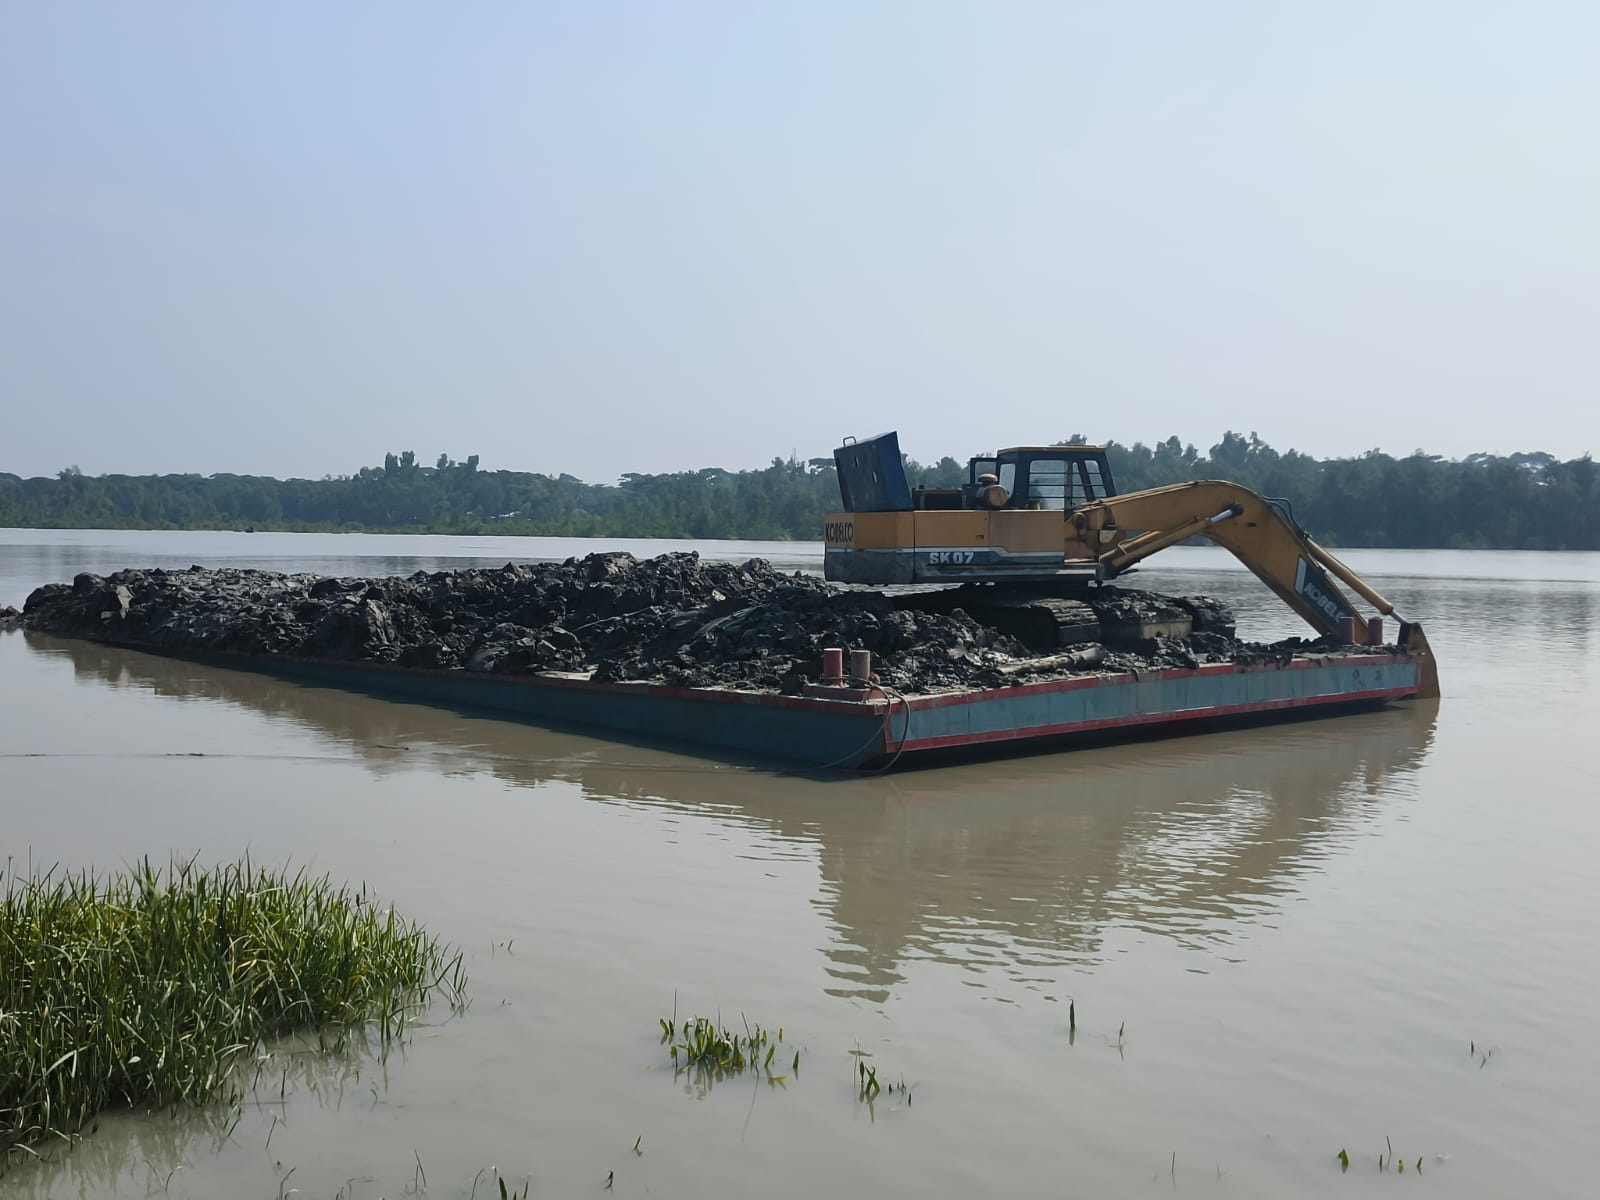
x=1048 y=482
x=1095 y=480
x=1008 y=478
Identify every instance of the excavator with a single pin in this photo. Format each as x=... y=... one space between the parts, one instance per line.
x=1035 y=526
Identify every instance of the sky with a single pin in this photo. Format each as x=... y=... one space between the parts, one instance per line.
x=598 y=238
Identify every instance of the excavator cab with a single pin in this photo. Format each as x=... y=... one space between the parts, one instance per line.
x=872 y=478
x=1049 y=477
x=1006 y=522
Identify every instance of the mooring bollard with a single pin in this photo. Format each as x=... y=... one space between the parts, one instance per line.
x=1347 y=630
x=861 y=667
x=1374 y=631
x=833 y=667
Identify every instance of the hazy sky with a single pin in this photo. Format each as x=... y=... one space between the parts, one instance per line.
x=604 y=237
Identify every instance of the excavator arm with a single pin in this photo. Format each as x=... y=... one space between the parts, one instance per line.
x=1261 y=534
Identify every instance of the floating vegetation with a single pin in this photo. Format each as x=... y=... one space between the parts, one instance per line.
x=709 y=1052
x=148 y=989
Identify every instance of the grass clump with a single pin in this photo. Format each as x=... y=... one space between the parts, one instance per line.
x=147 y=989
x=709 y=1052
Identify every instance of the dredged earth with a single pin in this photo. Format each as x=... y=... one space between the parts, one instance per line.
x=674 y=619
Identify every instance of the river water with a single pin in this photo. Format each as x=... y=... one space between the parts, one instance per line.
x=1279 y=943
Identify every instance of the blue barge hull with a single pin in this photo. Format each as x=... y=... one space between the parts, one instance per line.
x=855 y=732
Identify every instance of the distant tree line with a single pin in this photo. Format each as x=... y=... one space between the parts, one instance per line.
x=1521 y=501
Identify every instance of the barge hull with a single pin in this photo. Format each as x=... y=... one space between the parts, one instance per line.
x=864 y=733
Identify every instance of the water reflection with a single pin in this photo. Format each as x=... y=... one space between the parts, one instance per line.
x=1025 y=867
x=1017 y=867
x=144 y=1151
x=124 y=1149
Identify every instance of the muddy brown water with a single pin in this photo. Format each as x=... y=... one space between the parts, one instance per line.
x=1280 y=942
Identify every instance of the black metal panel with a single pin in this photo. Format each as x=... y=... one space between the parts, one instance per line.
x=872 y=475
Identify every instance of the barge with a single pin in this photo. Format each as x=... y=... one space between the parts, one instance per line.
x=741 y=659
x=870 y=728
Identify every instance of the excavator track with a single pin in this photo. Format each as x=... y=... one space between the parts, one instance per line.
x=1038 y=620
x=1113 y=616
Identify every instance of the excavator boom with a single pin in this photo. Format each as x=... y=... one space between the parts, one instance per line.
x=1258 y=533
x=1262 y=535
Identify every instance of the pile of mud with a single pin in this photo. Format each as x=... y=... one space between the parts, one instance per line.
x=674 y=619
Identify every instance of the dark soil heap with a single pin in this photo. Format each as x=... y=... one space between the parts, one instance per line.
x=674 y=618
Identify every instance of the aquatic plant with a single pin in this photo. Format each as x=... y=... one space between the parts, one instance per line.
x=505 y=1194
x=870 y=1087
x=710 y=1052
x=150 y=988
x=1386 y=1160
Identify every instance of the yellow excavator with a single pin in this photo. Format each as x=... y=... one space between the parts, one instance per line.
x=1041 y=521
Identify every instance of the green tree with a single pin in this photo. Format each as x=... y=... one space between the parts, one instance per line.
x=1529 y=500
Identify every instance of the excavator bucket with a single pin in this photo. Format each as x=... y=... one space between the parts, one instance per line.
x=872 y=475
x=1415 y=643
